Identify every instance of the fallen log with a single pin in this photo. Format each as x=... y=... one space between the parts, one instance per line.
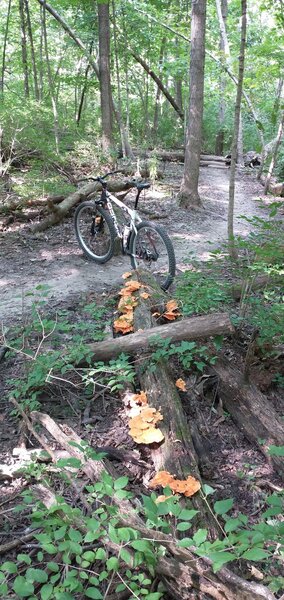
x=251 y=411
x=192 y=328
x=179 y=569
x=178 y=156
x=176 y=454
x=277 y=189
x=61 y=210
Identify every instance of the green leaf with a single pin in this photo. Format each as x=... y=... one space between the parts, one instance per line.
x=200 y=536
x=208 y=490
x=187 y=515
x=37 y=575
x=276 y=450
x=219 y=559
x=126 y=557
x=112 y=564
x=100 y=554
x=25 y=558
x=93 y=592
x=89 y=555
x=73 y=462
x=154 y=596
x=9 y=567
x=183 y=526
x=120 y=483
x=255 y=554
x=223 y=506
x=141 y=545
x=75 y=535
x=185 y=542
x=22 y=587
x=46 y=591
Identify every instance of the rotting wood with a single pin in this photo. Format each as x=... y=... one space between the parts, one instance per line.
x=251 y=411
x=192 y=328
x=176 y=454
x=180 y=569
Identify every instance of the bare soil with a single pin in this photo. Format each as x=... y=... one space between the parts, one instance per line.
x=54 y=258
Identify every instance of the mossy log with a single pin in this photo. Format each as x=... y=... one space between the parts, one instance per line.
x=252 y=412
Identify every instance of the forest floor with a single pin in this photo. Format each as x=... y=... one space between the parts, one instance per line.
x=54 y=258
x=81 y=289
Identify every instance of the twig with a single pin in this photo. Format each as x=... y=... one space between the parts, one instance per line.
x=15 y=543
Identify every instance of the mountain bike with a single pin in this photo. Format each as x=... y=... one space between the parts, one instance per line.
x=147 y=244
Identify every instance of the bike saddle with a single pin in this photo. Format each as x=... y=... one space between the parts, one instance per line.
x=143 y=185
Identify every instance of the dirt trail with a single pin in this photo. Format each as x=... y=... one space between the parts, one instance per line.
x=54 y=258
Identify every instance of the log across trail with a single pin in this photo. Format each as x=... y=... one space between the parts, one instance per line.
x=193 y=328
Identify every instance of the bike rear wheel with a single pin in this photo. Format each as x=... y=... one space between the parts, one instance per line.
x=151 y=248
x=95 y=231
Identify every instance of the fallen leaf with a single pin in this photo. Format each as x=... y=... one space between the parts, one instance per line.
x=181 y=385
x=256 y=573
x=126 y=275
x=162 y=498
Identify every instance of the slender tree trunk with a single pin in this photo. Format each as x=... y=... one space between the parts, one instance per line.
x=50 y=83
x=222 y=12
x=126 y=148
x=4 y=49
x=279 y=95
x=188 y=195
x=82 y=98
x=158 y=93
x=240 y=147
x=231 y=242
x=159 y=83
x=24 y=48
x=104 y=68
x=274 y=155
x=30 y=34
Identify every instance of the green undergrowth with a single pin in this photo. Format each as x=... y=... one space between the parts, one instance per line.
x=209 y=287
x=97 y=551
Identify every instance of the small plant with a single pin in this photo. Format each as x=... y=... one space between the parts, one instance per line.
x=189 y=354
x=201 y=293
x=113 y=375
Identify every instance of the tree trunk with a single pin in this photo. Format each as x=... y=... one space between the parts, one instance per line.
x=30 y=32
x=157 y=108
x=193 y=328
x=231 y=243
x=50 y=83
x=274 y=155
x=24 y=48
x=222 y=12
x=159 y=84
x=188 y=195
x=104 y=68
x=4 y=48
x=126 y=148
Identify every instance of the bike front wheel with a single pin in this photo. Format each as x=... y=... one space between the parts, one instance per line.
x=151 y=248
x=95 y=231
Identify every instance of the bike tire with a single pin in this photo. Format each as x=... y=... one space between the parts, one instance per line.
x=168 y=261
x=88 y=235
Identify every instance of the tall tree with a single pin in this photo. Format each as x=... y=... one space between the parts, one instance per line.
x=188 y=195
x=33 y=57
x=104 y=69
x=4 y=48
x=234 y=149
x=24 y=48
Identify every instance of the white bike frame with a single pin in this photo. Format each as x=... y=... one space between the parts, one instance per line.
x=133 y=214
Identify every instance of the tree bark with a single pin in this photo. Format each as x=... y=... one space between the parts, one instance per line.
x=104 y=69
x=231 y=243
x=251 y=411
x=274 y=155
x=24 y=48
x=50 y=83
x=4 y=48
x=159 y=84
x=193 y=328
x=188 y=195
x=30 y=33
